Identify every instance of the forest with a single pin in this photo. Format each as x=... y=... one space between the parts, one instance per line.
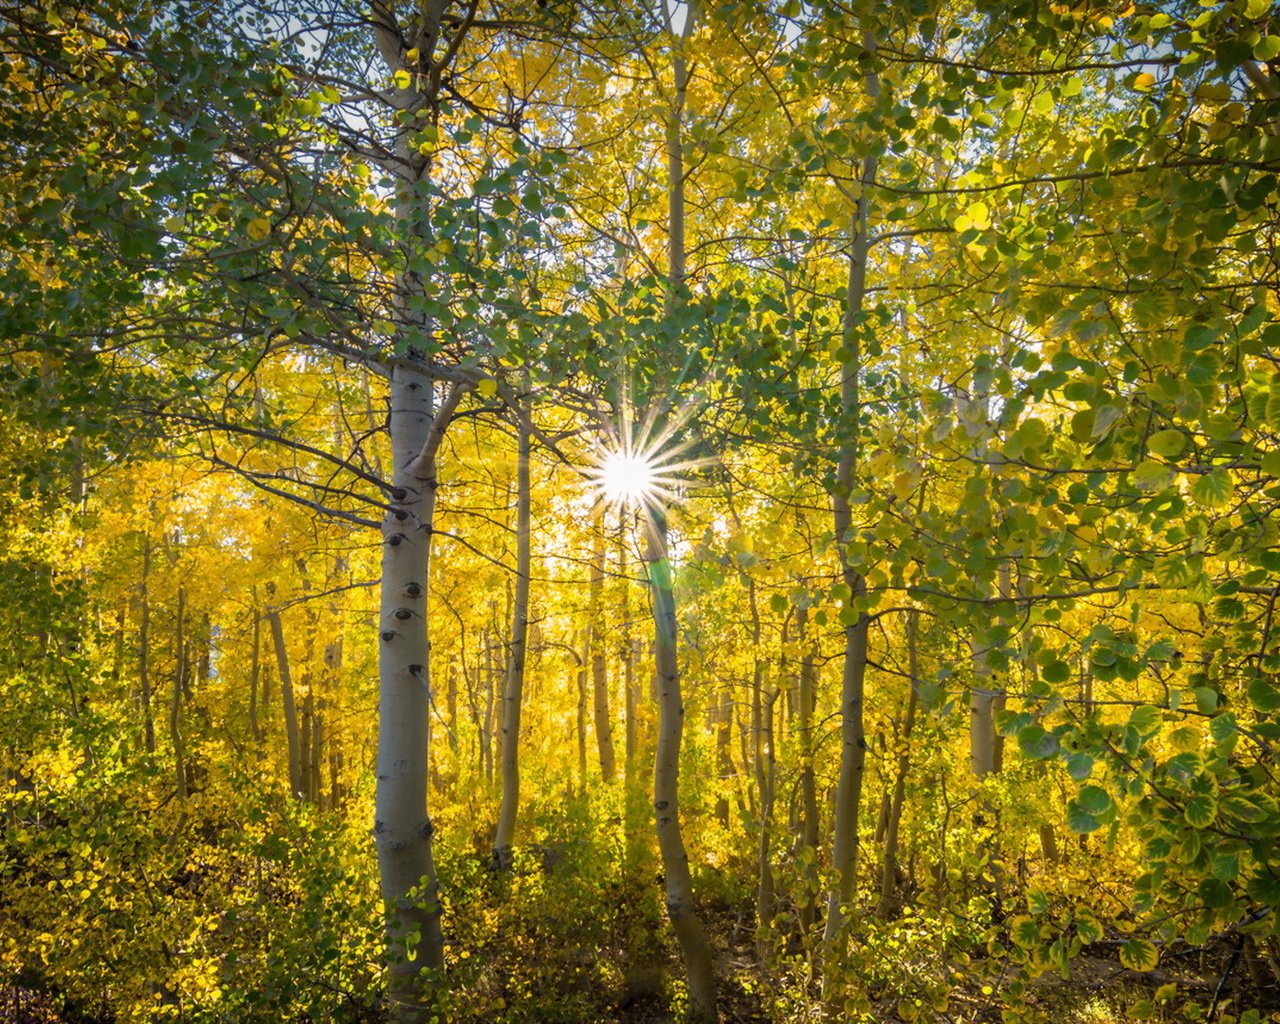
x=638 y=511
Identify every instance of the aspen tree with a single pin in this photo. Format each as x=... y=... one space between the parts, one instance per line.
x=513 y=689
x=853 y=751
x=602 y=715
x=144 y=648
x=694 y=947
x=416 y=53
x=293 y=734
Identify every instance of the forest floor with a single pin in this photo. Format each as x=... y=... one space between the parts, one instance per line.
x=1099 y=990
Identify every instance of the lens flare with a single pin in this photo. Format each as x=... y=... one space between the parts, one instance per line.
x=643 y=465
x=626 y=478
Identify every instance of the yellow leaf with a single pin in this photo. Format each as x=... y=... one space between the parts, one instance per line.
x=402 y=78
x=258 y=228
x=1144 y=82
x=1139 y=955
x=488 y=387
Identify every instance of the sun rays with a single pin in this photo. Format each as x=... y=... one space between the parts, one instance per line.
x=644 y=465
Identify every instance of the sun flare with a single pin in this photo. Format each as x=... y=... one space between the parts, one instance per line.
x=627 y=477
x=644 y=462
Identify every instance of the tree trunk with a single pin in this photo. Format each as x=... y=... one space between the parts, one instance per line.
x=599 y=668
x=630 y=654
x=765 y=697
x=1002 y=696
x=763 y=765
x=984 y=700
x=255 y=674
x=310 y=732
x=292 y=733
x=451 y=693
x=484 y=722
x=176 y=738
x=675 y=861
x=513 y=692
x=402 y=825
x=694 y=947
x=844 y=856
x=808 y=838
x=418 y=53
x=981 y=730
x=144 y=649
x=333 y=673
x=889 y=869
x=584 y=666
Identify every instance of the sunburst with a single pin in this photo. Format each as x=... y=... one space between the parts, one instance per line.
x=643 y=465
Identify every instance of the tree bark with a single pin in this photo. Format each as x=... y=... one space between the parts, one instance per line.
x=599 y=667
x=513 y=691
x=889 y=869
x=844 y=856
x=762 y=701
x=402 y=824
x=984 y=699
x=176 y=739
x=293 y=737
x=808 y=838
x=420 y=51
x=694 y=947
x=584 y=667
x=255 y=674
x=484 y=717
x=144 y=649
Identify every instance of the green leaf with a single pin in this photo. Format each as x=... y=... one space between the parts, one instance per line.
x=1145 y=719
x=1151 y=475
x=1213 y=489
x=1226 y=866
x=1105 y=417
x=1200 y=810
x=1216 y=894
x=1265 y=887
x=1025 y=932
x=1080 y=766
x=1088 y=928
x=1139 y=955
x=1198 y=337
x=1266 y=48
x=1206 y=699
x=1168 y=444
x=1229 y=609
x=1079 y=820
x=1094 y=800
x=1033 y=434
x=1264 y=695
x=1056 y=671
x=1037 y=744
